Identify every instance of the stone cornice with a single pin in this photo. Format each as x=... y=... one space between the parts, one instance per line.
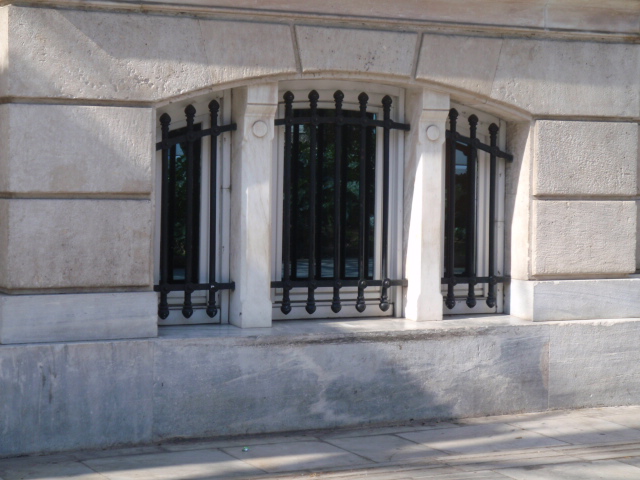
x=612 y=20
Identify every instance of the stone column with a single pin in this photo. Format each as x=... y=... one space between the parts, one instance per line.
x=424 y=169
x=254 y=110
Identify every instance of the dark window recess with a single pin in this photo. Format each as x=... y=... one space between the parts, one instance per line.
x=460 y=238
x=180 y=211
x=329 y=196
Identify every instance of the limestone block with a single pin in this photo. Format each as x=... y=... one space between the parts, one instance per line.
x=69 y=396
x=594 y=364
x=452 y=60
x=243 y=50
x=549 y=77
x=583 y=237
x=544 y=301
x=350 y=50
x=611 y=16
x=345 y=379
x=75 y=317
x=75 y=243
x=55 y=149
x=586 y=158
x=100 y=55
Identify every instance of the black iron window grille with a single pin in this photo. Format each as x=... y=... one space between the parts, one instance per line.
x=180 y=211
x=329 y=196
x=461 y=199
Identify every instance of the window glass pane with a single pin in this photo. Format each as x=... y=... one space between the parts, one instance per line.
x=325 y=214
x=178 y=208
x=462 y=206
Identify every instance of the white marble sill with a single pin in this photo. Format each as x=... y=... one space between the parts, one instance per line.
x=365 y=328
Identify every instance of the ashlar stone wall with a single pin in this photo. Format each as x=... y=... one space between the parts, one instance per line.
x=80 y=88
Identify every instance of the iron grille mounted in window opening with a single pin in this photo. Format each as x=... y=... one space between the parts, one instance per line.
x=180 y=205
x=465 y=225
x=311 y=189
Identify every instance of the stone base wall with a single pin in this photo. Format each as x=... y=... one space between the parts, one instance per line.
x=102 y=394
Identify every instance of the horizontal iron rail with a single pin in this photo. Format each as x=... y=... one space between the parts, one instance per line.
x=194 y=287
x=474 y=280
x=366 y=122
x=193 y=136
x=474 y=142
x=329 y=282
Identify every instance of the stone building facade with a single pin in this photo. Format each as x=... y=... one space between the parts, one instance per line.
x=84 y=83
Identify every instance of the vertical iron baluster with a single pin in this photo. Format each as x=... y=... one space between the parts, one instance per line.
x=313 y=102
x=187 y=308
x=362 y=283
x=337 y=204
x=491 y=296
x=384 y=270
x=471 y=219
x=286 y=205
x=451 y=211
x=163 y=307
x=214 y=109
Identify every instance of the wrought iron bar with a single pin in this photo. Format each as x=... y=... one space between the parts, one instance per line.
x=313 y=103
x=384 y=295
x=470 y=244
x=187 y=307
x=493 y=135
x=163 y=307
x=363 y=98
x=294 y=163
x=214 y=109
x=168 y=146
x=286 y=206
x=336 y=306
x=314 y=121
x=450 y=212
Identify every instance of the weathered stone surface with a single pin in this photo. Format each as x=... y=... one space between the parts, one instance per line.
x=583 y=237
x=70 y=396
x=67 y=318
x=73 y=149
x=75 y=243
x=590 y=15
x=547 y=77
x=586 y=158
x=350 y=50
x=594 y=364
x=451 y=60
x=343 y=380
x=610 y=16
x=239 y=50
x=543 y=301
x=517 y=209
x=99 y=55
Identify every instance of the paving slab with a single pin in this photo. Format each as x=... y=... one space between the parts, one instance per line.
x=481 y=438
x=579 y=430
x=386 y=448
x=384 y=430
x=605 y=470
x=28 y=469
x=236 y=442
x=197 y=464
x=292 y=456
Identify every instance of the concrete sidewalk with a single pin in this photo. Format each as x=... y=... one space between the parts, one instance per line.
x=581 y=444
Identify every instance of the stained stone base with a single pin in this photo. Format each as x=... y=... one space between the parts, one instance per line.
x=75 y=317
x=205 y=381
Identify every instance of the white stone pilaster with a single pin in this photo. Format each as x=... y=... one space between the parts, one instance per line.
x=254 y=110
x=424 y=166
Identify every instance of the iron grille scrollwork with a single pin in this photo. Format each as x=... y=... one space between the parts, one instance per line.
x=188 y=139
x=317 y=125
x=471 y=145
